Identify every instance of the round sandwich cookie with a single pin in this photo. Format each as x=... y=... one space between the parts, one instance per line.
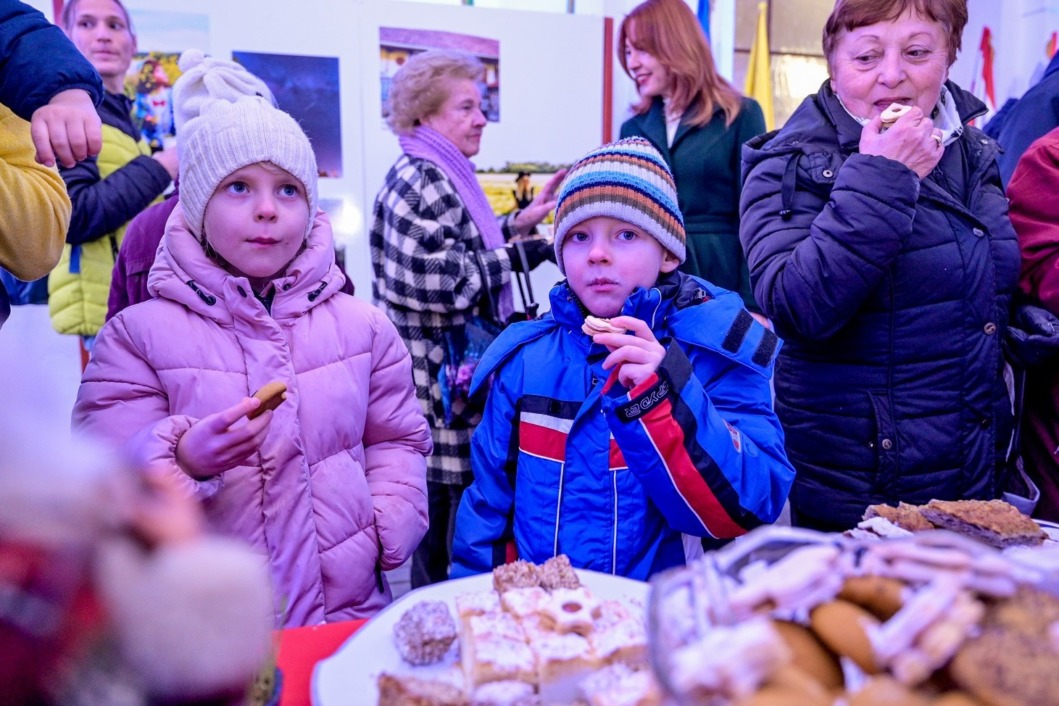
x=271 y=395
x=893 y=112
x=594 y=325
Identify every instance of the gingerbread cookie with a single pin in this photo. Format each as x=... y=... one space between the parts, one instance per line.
x=271 y=396
x=844 y=628
x=810 y=656
x=880 y=596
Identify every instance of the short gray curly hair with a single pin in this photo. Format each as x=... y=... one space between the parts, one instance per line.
x=419 y=87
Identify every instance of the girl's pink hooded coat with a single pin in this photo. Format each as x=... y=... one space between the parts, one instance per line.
x=337 y=492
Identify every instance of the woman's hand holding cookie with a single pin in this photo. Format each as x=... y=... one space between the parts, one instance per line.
x=636 y=353
x=911 y=140
x=222 y=441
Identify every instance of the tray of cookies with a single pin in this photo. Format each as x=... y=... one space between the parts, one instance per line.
x=525 y=634
x=792 y=616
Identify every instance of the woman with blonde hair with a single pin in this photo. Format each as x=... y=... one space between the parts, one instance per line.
x=699 y=122
x=439 y=255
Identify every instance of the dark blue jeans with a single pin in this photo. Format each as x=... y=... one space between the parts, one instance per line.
x=433 y=556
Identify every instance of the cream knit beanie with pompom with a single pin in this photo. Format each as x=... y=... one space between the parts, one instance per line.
x=228 y=136
x=204 y=79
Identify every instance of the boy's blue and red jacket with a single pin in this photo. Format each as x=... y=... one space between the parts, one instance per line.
x=613 y=478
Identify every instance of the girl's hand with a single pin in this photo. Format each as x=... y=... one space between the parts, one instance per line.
x=636 y=354
x=912 y=140
x=219 y=442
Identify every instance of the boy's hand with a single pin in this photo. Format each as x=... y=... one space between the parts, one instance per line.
x=68 y=128
x=219 y=443
x=635 y=355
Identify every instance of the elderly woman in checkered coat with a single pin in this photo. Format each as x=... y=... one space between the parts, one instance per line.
x=439 y=258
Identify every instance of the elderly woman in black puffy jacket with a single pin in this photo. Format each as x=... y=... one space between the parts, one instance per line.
x=885 y=257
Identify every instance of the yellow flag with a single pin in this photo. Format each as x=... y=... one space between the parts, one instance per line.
x=759 y=72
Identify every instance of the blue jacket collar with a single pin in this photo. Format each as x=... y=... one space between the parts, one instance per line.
x=651 y=305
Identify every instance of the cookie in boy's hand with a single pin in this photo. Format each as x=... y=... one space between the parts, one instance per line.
x=594 y=325
x=271 y=395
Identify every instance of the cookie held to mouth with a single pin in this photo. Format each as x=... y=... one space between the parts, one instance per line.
x=271 y=395
x=594 y=325
x=893 y=112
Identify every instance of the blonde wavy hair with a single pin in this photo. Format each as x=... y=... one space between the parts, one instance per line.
x=420 y=87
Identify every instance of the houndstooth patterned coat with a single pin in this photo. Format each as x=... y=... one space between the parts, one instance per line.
x=426 y=277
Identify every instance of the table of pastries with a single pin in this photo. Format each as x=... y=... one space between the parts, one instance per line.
x=943 y=604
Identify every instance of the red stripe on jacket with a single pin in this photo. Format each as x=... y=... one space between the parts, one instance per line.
x=538 y=440
x=668 y=437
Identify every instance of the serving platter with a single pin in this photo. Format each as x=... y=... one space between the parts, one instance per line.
x=348 y=677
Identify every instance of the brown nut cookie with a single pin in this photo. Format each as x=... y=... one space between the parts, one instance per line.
x=995 y=522
x=844 y=627
x=271 y=395
x=904 y=516
x=810 y=656
x=1006 y=668
x=880 y=596
x=1030 y=611
x=424 y=633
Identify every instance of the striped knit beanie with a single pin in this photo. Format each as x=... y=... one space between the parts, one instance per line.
x=627 y=180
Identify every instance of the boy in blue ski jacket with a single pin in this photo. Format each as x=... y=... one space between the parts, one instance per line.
x=609 y=447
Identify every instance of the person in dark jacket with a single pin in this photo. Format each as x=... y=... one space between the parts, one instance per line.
x=887 y=262
x=699 y=122
x=48 y=93
x=1035 y=216
x=1029 y=118
x=109 y=190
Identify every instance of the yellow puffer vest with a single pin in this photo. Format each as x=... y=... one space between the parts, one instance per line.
x=79 y=286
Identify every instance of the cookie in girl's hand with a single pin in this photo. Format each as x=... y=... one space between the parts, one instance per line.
x=271 y=395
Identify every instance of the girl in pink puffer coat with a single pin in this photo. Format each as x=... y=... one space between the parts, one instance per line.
x=331 y=485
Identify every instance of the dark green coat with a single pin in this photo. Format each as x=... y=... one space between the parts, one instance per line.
x=705 y=162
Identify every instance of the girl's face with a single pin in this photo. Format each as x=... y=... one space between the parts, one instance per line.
x=651 y=76
x=256 y=221
x=606 y=259
x=905 y=61
x=460 y=117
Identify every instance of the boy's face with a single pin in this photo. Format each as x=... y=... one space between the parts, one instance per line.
x=606 y=259
x=256 y=220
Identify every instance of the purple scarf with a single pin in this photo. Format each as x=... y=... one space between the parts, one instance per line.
x=429 y=144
